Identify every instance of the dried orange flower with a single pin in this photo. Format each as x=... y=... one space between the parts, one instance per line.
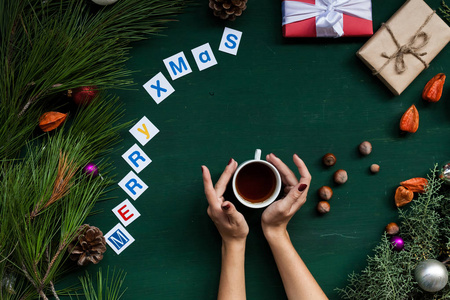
x=51 y=120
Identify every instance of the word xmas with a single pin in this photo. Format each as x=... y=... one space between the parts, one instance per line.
x=177 y=65
x=118 y=238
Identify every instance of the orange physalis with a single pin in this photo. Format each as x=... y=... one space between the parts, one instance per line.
x=403 y=196
x=410 y=120
x=433 y=89
x=51 y=120
x=416 y=185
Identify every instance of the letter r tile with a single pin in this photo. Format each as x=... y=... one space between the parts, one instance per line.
x=136 y=158
x=133 y=185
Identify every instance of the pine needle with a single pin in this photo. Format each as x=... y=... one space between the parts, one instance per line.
x=66 y=170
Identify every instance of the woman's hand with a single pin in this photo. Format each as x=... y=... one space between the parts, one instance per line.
x=230 y=223
x=234 y=230
x=276 y=217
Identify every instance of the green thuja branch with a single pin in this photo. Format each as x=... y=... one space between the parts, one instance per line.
x=425 y=230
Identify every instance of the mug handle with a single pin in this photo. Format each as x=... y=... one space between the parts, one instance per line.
x=258 y=154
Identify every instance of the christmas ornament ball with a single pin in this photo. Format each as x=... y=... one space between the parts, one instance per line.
x=104 y=2
x=431 y=275
x=397 y=242
x=84 y=95
x=91 y=169
x=445 y=173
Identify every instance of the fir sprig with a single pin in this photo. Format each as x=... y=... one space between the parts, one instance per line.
x=424 y=228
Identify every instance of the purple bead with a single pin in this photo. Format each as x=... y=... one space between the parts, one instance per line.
x=91 y=169
x=397 y=242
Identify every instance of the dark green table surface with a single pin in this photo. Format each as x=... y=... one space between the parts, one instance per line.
x=304 y=96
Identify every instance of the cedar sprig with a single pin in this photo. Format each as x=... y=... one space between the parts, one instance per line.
x=445 y=11
x=424 y=228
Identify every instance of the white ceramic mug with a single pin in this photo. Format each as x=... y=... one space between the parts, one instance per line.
x=273 y=195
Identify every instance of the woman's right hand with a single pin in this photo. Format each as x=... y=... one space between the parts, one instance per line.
x=276 y=217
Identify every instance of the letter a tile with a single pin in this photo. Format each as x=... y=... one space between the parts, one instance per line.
x=144 y=131
x=204 y=57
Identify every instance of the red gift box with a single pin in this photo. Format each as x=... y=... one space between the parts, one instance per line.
x=352 y=25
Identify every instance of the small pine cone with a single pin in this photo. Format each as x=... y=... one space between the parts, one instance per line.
x=228 y=9
x=88 y=246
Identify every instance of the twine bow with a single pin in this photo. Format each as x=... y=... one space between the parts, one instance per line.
x=408 y=48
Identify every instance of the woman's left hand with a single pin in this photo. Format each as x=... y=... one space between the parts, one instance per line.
x=230 y=223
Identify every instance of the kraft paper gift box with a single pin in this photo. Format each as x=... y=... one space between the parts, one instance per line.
x=327 y=18
x=405 y=45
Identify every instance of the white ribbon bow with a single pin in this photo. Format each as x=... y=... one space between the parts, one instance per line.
x=328 y=14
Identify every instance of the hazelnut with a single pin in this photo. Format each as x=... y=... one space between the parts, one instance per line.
x=365 y=148
x=392 y=228
x=329 y=159
x=374 y=168
x=323 y=207
x=340 y=176
x=325 y=192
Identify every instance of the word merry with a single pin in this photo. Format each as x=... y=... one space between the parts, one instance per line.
x=177 y=65
x=119 y=238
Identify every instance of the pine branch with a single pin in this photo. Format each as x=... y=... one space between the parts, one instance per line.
x=46 y=48
x=59 y=45
x=104 y=289
x=66 y=170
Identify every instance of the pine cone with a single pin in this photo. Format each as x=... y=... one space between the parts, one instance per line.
x=88 y=246
x=228 y=9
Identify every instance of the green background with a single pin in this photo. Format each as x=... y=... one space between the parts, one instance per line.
x=286 y=96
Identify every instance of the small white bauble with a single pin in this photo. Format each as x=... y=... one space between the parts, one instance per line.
x=104 y=2
x=431 y=275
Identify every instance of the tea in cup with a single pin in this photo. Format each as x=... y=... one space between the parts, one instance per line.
x=256 y=183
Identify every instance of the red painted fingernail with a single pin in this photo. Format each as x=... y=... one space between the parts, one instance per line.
x=302 y=187
x=230 y=161
x=226 y=207
x=202 y=169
